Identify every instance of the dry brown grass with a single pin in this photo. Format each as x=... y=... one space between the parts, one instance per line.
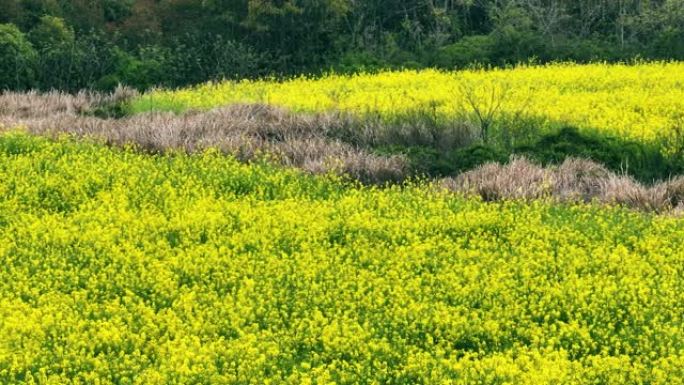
x=246 y=131
x=33 y=104
x=416 y=129
x=575 y=180
x=325 y=143
x=419 y=128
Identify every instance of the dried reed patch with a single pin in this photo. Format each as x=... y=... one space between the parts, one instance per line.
x=575 y=180
x=247 y=131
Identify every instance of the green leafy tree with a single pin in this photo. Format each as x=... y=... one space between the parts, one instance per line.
x=17 y=59
x=301 y=33
x=51 y=32
x=11 y=11
x=57 y=53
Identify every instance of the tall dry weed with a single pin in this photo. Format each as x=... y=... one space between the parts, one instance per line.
x=324 y=143
x=247 y=131
x=575 y=180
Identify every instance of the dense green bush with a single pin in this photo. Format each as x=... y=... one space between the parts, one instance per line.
x=51 y=32
x=17 y=59
x=359 y=61
x=55 y=43
x=196 y=58
x=644 y=162
x=95 y=62
x=147 y=68
x=470 y=49
x=433 y=162
x=670 y=43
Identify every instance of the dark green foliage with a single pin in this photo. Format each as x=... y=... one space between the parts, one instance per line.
x=645 y=162
x=360 y=61
x=11 y=9
x=117 y=10
x=115 y=109
x=196 y=58
x=147 y=68
x=51 y=32
x=93 y=63
x=174 y=43
x=424 y=160
x=476 y=155
x=433 y=162
x=470 y=49
x=56 y=45
x=437 y=163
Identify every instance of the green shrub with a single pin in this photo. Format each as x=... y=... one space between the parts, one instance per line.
x=116 y=10
x=669 y=43
x=196 y=58
x=476 y=155
x=469 y=50
x=51 y=32
x=643 y=161
x=146 y=68
x=17 y=59
x=96 y=62
x=432 y=162
x=55 y=43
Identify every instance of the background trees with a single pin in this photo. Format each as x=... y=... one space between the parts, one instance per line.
x=73 y=44
x=17 y=59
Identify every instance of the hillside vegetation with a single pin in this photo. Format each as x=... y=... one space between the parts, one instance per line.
x=643 y=101
x=342 y=192
x=626 y=116
x=97 y=44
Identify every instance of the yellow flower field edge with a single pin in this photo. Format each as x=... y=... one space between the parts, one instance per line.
x=642 y=101
x=124 y=268
x=366 y=148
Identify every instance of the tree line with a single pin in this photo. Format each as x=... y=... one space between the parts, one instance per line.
x=97 y=44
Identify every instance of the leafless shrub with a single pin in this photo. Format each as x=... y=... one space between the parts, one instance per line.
x=575 y=180
x=486 y=102
x=33 y=104
x=679 y=210
x=266 y=121
x=675 y=190
x=419 y=131
x=318 y=155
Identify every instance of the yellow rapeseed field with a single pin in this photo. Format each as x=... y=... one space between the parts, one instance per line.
x=642 y=101
x=118 y=267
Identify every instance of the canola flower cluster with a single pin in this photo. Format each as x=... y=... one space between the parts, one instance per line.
x=118 y=267
x=642 y=102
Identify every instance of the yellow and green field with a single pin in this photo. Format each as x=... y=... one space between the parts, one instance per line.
x=180 y=253
x=643 y=101
x=124 y=268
